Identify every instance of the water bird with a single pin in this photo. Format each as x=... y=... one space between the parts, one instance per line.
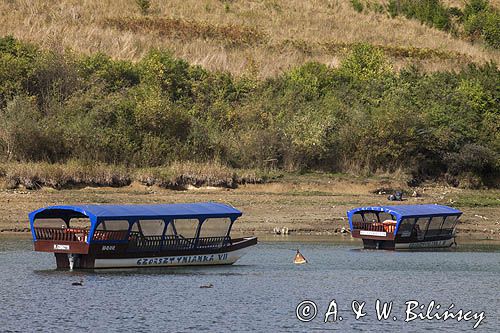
x=78 y=283
x=206 y=285
x=299 y=258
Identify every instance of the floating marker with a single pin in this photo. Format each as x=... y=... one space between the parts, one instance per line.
x=299 y=258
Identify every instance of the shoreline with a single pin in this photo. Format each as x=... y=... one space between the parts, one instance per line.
x=342 y=239
x=311 y=205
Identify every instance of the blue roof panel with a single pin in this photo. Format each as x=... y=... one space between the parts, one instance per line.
x=97 y=213
x=422 y=210
x=401 y=211
x=188 y=210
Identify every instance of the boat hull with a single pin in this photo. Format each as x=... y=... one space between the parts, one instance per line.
x=221 y=258
x=393 y=245
x=105 y=256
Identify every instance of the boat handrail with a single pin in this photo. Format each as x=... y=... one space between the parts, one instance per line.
x=61 y=234
x=156 y=243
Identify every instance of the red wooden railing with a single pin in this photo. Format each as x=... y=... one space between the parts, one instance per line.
x=61 y=234
x=78 y=234
x=375 y=226
x=137 y=242
x=368 y=226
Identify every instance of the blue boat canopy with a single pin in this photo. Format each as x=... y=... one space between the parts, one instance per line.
x=402 y=211
x=200 y=211
x=407 y=211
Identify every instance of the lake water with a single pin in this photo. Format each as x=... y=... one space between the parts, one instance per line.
x=259 y=293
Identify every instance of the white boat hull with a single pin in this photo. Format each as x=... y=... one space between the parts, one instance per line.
x=224 y=258
x=423 y=245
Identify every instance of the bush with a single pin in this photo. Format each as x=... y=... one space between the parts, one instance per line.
x=472 y=158
x=21 y=131
x=482 y=20
x=365 y=62
x=473 y=166
x=114 y=74
x=357 y=5
x=361 y=117
x=16 y=67
x=161 y=69
x=491 y=29
x=430 y=12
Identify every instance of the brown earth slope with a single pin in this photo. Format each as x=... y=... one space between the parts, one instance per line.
x=313 y=205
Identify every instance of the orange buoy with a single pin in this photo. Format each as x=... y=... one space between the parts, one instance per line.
x=299 y=258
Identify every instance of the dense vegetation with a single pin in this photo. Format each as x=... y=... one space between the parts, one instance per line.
x=477 y=20
x=360 y=117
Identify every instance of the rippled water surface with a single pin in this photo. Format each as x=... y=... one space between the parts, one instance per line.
x=259 y=293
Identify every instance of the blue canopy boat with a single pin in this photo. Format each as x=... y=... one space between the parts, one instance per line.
x=404 y=226
x=111 y=236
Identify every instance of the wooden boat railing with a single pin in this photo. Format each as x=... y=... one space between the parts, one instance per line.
x=61 y=234
x=375 y=226
x=78 y=234
x=137 y=242
x=368 y=226
x=141 y=243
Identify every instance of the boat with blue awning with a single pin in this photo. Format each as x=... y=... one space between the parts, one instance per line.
x=115 y=236
x=404 y=226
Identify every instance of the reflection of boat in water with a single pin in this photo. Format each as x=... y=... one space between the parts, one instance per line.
x=404 y=226
x=111 y=236
x=299 y=258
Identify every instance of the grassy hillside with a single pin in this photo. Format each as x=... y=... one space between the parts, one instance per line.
x=252 y=37
x=107 y=92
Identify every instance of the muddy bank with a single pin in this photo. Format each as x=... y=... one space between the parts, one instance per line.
x=308 y=205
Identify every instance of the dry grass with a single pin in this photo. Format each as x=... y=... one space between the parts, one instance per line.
x=37 y=175
x=238 y=36
x=181 y=175
x=178 y=175
x=186 y=29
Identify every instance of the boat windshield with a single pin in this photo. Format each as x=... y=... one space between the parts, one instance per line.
x=72 y=230
x=374 y=221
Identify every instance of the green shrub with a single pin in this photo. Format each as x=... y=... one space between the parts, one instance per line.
x=430 y=12
x=474 y=7
x=360 y=117
x=482 y=20
x=357 y=5
x=365 y=62
x=16 y=66
x=491 y=29
x=172 y=75
x=473 y=166
x=114 y=74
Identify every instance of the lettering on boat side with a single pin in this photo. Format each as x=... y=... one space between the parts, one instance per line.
x=373 y=233
x=179 y=260
x=438 y=243
x=108 y=247
x=61 y=247
x=308 y=310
